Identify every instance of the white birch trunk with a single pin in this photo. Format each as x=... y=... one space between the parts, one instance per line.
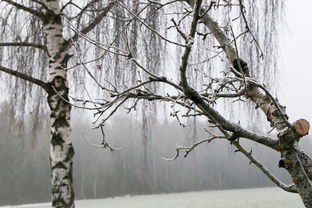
x=61 y=149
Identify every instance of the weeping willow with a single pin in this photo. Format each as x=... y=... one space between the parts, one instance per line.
x=121 y=32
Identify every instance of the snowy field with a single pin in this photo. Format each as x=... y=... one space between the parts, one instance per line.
x=240 y=198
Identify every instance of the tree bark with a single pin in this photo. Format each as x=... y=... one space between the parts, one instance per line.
x=298 y=176
x=61 y=148
x=296 y=162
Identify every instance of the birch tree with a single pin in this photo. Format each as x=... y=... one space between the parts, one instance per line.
x=238 y=82
x=39 y=25
x=150 y=51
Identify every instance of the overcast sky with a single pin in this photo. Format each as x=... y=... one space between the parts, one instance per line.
x=296 y=60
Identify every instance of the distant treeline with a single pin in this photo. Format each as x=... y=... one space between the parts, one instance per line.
x=136 y=169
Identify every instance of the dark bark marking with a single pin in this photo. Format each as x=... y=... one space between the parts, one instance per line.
x=52 y=18
x=241 y=66
x=57 y=139
x=70 y=154
x=61 y=121
x=59 y=165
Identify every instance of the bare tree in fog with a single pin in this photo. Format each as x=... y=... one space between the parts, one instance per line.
x=149 y=51
x=237 y=82
x=39 y=25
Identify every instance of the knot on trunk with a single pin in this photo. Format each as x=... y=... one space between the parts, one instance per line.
x=235 y=135
x=241 y=66
x=284 y=164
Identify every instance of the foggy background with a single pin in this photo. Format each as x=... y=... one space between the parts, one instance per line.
x=98 y=173
x=139 y=168
x=295 y=69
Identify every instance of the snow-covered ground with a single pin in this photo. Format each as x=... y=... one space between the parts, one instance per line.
x=241 y=198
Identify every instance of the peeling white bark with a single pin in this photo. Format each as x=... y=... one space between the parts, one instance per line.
x=61 y=149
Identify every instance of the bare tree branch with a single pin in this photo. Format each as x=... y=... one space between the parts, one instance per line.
x=149 y=27
x=82 y=9
x=23 y=76
x=104 y=143
x=189 y=149
x=253 y=93
x=36 y=13
x=198 y=100
x=242 y=9
x=24 y=44
x=94 y=22
x=287 y=134
x=240 y=148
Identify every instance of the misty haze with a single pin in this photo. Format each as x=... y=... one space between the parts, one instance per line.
x=154 y=104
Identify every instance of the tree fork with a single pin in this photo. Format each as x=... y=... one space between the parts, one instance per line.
x=288 y=134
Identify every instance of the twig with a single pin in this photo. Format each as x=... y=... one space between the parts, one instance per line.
x=189 y=149
x=288 y=188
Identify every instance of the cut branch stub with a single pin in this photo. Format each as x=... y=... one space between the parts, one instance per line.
x=288 y=136
x=302 y=127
